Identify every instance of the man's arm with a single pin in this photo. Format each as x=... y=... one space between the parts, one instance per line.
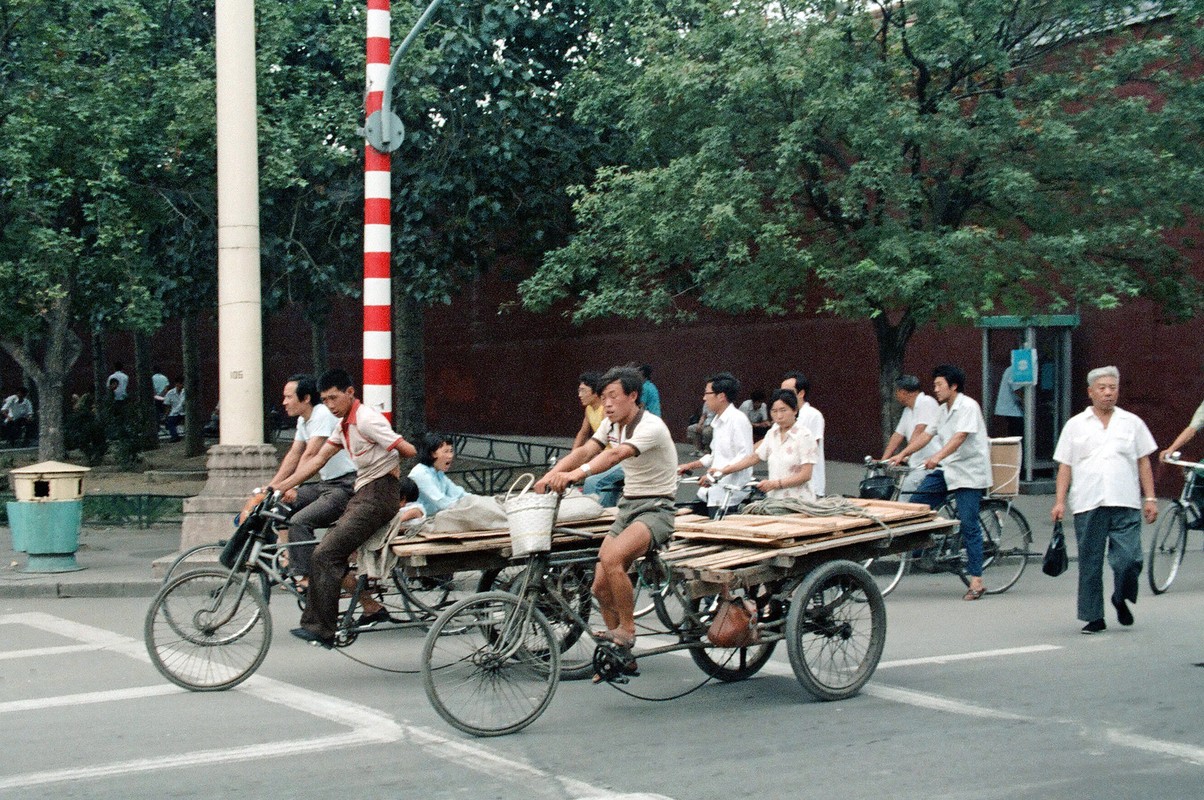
x=1183 y=438
x=917 y=442
x=307 y=468
x=896 y=439
x=567 y=470
x=955 y=441
x=1149 y=503
x=1062 y=485
x=584 y=433
x=288 y=464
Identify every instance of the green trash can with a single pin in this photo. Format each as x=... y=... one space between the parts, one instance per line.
x=45 y=518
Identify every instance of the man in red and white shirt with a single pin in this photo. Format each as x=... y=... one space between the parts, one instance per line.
x=376 y=449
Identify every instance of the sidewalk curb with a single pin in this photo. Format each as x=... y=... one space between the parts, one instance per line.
x=65 y=590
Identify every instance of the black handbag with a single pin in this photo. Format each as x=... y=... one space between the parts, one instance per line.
x=1056 y=561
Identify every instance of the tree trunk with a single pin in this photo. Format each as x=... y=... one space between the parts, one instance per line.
x=143 y=394
x=194 y=415
x=319 y=348
x=409 y=371
x=100 y=373
x=892 y=348
x=61 y=350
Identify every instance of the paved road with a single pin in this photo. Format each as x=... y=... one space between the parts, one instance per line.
x=1002 y=698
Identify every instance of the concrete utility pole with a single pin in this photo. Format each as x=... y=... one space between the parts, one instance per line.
x=240 y=461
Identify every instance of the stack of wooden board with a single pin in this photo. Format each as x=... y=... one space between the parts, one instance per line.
x=740 y=540
x=481 y=549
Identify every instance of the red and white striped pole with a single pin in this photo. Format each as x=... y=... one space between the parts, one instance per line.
x=378 y=319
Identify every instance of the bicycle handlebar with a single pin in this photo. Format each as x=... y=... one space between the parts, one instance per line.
x=1176 y=461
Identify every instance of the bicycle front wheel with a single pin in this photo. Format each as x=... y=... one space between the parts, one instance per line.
x=490 y=664
x=1005 y=545
x=208 y=630
x=1168 y=547
x=887 y=571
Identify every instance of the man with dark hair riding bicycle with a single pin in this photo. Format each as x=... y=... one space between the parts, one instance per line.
x=642 y=442
x=316 y=504
x=375 y=448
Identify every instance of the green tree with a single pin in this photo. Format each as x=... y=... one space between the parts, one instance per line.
x=918 y=162
x=73 y=80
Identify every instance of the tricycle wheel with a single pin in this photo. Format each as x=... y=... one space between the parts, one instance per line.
x=835 y=630
x=489 y=664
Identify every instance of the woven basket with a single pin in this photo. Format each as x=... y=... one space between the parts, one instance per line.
x=531 y=517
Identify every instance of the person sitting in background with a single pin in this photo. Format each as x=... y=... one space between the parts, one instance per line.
x=789 y=449
x=699 y=431
x=18 y=416
x=173 y=403
x=757 y=411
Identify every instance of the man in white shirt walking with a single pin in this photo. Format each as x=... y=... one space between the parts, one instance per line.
x=962 y=467
x=731 y=441
x=1104 y=470
x=17 y=414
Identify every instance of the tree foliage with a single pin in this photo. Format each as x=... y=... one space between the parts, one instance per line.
x=912 y=162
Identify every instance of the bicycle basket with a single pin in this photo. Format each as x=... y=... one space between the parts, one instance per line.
x=531 y=517
x=229 y=554
x=877 y=487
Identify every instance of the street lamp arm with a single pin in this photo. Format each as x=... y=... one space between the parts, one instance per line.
x=384 y=129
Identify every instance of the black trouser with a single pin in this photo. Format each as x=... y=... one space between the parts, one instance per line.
x=370 y=508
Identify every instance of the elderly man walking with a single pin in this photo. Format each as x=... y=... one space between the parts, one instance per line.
x=1103 y=460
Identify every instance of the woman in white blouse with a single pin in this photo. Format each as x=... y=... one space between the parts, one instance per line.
x=789 y=449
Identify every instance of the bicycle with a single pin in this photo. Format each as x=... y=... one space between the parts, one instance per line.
x=491 y=662
x=1170 y=536
x=883 y=481
x=1006 y=537
x=209 y=629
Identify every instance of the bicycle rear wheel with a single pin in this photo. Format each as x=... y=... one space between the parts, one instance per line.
x=732 y=664
x=1005 y=545
x=208 y=630
x=1167 y=548
x=490 y=665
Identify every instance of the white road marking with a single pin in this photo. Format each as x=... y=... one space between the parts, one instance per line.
x=954 y=657
x=40 y=652
x=368 y=726
x=1186 y=752
x=87 y=698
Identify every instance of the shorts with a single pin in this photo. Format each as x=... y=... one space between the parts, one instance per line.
x=655 y=512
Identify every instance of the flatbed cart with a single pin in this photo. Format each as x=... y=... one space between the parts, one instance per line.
x=491 y=662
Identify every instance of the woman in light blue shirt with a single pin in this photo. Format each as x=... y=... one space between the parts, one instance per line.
x=435 y=490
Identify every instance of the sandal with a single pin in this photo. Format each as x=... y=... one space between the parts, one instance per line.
x=616 y=637
x=974 y=594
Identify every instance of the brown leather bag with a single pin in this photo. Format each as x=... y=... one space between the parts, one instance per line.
x=735 y=623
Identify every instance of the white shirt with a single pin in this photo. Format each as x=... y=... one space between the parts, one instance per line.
x=15 y=408
x=1103 y=461
x=652 y=471
x=926 y=412
x=755 y=413
x=786 y=457
x=322 y=423
x=813 y=421
x=159 y=382
x=123 y=381
x=969 y=466
x=174 y=400
x=731 y=441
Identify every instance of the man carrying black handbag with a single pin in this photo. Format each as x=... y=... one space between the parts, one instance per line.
x=1103 y=460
